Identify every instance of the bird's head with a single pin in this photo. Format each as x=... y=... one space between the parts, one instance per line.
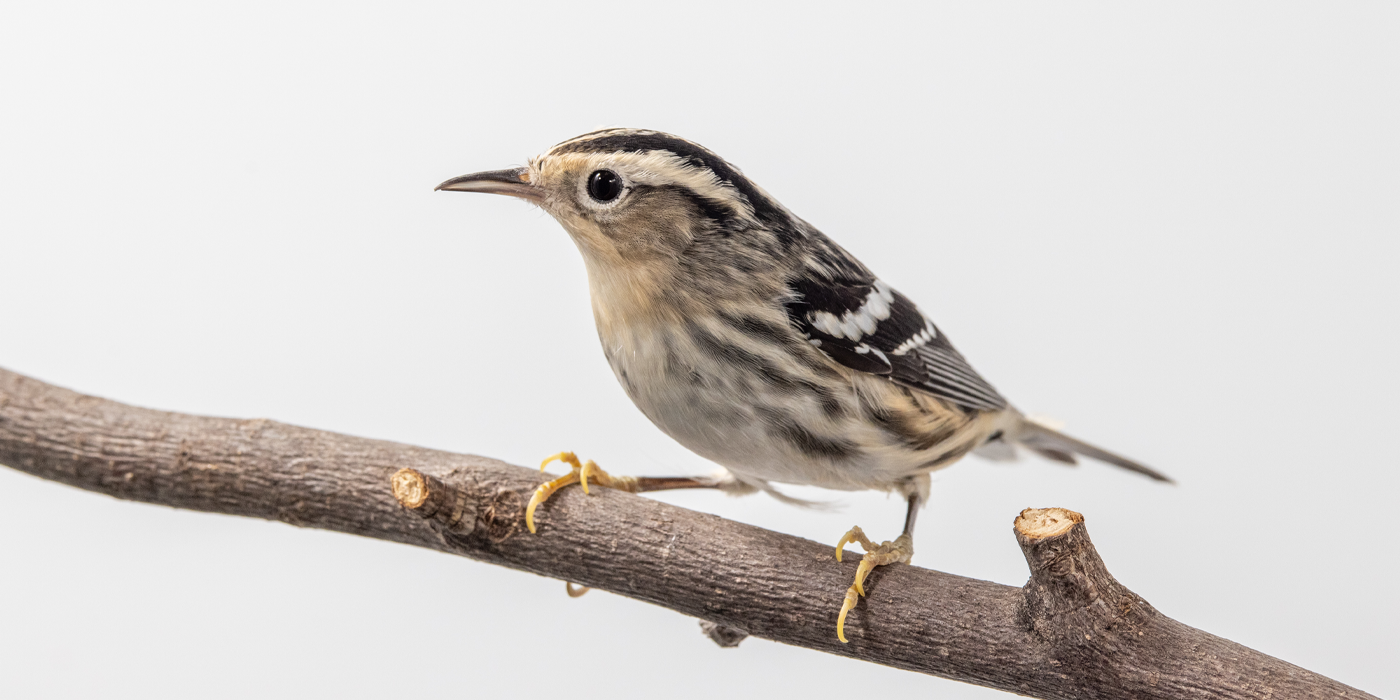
x=632 y=198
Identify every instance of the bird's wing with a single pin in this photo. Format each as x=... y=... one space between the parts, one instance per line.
x=862 y=323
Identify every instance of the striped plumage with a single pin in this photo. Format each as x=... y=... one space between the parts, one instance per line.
x=753 y=339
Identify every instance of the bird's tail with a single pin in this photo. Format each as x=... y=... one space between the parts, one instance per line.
x=1053 y=444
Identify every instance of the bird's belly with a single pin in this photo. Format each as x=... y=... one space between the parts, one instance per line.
x=759 y=426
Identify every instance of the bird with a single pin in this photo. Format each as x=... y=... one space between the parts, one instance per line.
x=757 y=342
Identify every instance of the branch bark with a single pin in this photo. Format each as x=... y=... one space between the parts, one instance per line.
x=1072 y=632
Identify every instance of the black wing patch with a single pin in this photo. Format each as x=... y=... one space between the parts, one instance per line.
x=867 y=326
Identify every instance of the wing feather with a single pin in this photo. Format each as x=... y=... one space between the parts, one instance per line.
x=862 y=323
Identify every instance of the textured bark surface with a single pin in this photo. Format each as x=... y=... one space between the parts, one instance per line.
x=1072 y=632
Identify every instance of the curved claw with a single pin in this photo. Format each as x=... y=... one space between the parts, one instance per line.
x=854 y=534
x=575 y=592
x=846 y=607
x=841 y=544
x=586 y=471
x=866 y=566
x=542 y=494
x=566 y=457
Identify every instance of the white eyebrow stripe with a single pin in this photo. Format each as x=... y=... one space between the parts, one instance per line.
x=660 y=168
x=656 y=168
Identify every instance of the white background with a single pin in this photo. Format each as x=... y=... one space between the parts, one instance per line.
x=1172 y=225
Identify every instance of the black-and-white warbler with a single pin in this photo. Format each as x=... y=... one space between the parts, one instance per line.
x=757 y=342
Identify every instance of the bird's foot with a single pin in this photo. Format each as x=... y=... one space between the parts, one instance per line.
x=579 y=473
x=900 y=551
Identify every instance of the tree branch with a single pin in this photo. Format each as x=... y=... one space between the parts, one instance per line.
x=1072 y=632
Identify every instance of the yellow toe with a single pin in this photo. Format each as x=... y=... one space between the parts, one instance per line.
x=846 y=607
x=898 y=551
x=542 y=494
x=579 y=473
x=586 y=471
x=861 y=572
x=854 y=534
x=565 y=457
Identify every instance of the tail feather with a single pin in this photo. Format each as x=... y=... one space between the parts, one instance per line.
x=1055 y=455
x=1056 y=445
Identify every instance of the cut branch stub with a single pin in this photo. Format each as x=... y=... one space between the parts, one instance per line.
x=1067 y=573
x=1071 y=593
x=434 y=500
x=1091 y=623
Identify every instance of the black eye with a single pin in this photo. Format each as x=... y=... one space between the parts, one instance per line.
x=604 y=185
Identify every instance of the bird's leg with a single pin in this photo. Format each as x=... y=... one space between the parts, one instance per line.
x=582 y=472
x=900 y=551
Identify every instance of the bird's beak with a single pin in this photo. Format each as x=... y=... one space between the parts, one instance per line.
x=514 y=182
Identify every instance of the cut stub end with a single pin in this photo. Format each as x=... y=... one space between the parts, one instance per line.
x=431 y=498
x=1040 y=523
x=410 y=488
